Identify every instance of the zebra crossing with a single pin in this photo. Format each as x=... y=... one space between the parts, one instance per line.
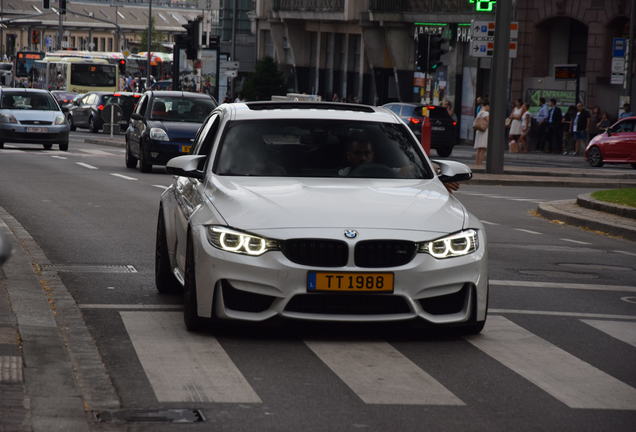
x=188 y=367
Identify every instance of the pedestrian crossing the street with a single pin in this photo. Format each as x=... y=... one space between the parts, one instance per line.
x=188 y=367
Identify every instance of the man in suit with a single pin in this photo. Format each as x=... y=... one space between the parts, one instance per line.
x=555 y=129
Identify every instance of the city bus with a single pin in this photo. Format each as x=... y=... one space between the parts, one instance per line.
x=24 y=61
x=76 y=75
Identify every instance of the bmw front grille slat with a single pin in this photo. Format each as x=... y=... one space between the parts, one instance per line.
x=384 y=253
x=316 y=252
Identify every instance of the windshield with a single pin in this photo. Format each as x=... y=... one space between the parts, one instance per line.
x=93 y=75
x=181 y=109
x=320 y=148
x=28 y=101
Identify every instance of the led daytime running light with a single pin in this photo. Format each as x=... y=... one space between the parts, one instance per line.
x=455 y=245
x=231 y=240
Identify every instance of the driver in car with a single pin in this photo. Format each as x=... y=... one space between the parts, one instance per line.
x=360 y=151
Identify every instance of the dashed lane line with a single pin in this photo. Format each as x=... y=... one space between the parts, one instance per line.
x=85 y=165
x=161 y=187
x=560 y=314
x=562 y=285
x=528 y=231
x=488 y=223
x=59 y=157
x=576 y=241
x=625 y=253
x=124 y=177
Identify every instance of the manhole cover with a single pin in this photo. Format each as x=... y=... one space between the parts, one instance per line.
x=558 y=274
x=87 y=268
x=151 y=416
x=600 y=267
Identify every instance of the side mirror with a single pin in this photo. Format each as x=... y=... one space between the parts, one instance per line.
x=186 y=166
x=451 y=171
x=136 y=116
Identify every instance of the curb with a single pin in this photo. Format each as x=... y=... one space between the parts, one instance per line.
x=105 y=142
x=510 y=180
x=586 y=200
x=554 y=210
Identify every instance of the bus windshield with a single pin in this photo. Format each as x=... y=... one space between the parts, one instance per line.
x=24 y=62
x=93 y=75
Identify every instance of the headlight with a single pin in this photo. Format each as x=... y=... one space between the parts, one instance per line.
x=230 y=240
x=60 y=119
x=7 y=118
x=458 y=244
x=158 y=134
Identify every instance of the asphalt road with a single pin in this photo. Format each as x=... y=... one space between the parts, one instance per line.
x=558 y=351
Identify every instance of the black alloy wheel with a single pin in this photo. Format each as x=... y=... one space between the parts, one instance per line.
x=595 y=157
x=47 y=146
x=131 y=161
x=71 y=123
x=165 y=280
x=63 y=146
x=91 y=125
x=144 y=165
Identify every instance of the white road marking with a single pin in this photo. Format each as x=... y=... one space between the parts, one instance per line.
x=96 y=152
x=621 y=330
x=563 y=285
x=123 y=176
x=533 y=200
x=129 y=306
x=85 y=165
x=576 y=241
x=561 y=314
x=379 y=374
x=183 y=366
x=625 y=253
x=488 y=223
x=567 y=378
x=161 y=187
x=58 y=157
x=528 y=231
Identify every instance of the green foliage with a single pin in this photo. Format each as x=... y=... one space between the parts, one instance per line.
x=265 y=81
x=157 y=38
x=625 y=196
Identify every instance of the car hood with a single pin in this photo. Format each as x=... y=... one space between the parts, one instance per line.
x=32 y=115
x=266 y=203
x=177 y=129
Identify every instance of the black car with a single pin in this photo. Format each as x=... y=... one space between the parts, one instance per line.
x=444 y=133
x=163 y=126
x=86 y=112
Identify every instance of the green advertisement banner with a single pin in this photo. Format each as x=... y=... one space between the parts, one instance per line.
x=564 y=98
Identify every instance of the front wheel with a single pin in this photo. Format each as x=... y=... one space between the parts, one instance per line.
x=165 y=280
x=47 y=146
x=64 y=146
x=1 y=145
x=91 y=125
x=191 y=318
x=131 y=161
x=71 y=124
x=633 y=165
x=595 y=157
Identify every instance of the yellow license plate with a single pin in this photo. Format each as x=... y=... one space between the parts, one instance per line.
x=350 y=282
x=185 y=148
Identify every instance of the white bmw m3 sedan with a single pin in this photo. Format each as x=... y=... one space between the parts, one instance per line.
x=318 y=211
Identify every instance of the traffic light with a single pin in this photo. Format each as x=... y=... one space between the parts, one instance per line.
x=122 y=67
x=435 y=52
x=422 y=51
x=193 y=39
x=46 y=4
x=35 y=37
x=62 y=7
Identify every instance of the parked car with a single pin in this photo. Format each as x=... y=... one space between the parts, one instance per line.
x=65 y=100
x=318 y=211
x=616 y=145
x=86 y=112
x=32 y=116
x=444 y=131
x=163 y=126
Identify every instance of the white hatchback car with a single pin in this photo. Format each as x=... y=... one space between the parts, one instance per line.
x=318 y=211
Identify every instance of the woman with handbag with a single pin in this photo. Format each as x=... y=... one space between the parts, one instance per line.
x=514 y=121
x=480 y=125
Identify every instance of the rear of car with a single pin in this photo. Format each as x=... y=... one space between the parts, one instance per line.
x=444 y=131
x=126 y=101
x=32 y=116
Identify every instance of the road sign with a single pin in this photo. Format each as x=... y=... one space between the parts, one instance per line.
x=482 y=39
x=619 y=46
x=619 y=53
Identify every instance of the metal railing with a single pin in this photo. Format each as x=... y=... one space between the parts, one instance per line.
x=309 y=5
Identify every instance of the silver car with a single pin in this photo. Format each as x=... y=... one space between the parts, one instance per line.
x=318 y=211
x=32 y=116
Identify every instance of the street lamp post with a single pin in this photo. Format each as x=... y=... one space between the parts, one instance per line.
x=149 y=42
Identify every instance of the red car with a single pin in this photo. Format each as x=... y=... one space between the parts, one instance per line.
x=616 y=145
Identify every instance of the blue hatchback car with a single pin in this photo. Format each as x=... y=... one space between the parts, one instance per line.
x=163 y=125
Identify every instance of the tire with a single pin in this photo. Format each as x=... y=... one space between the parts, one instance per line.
x=444 y=152
x=131 y=161
x=144 y=165
x=165 y=281
x=71 y=124
x=47 y=146
x=633 y=165
x=595 y=157
x=91 y=125
x=1 y=145
x=192 y=320
x=63 y=146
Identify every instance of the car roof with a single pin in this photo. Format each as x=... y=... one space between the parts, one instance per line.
x=26 y=90
x=177 y=93
x=309 y=110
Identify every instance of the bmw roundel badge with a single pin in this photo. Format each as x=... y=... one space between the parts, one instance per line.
x=351 y=234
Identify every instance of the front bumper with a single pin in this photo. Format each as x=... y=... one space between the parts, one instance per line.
x=160 y=152
x=11 y=132
x=251 y=288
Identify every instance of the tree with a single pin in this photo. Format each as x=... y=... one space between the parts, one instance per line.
x=265 y=81
x=157 y=38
